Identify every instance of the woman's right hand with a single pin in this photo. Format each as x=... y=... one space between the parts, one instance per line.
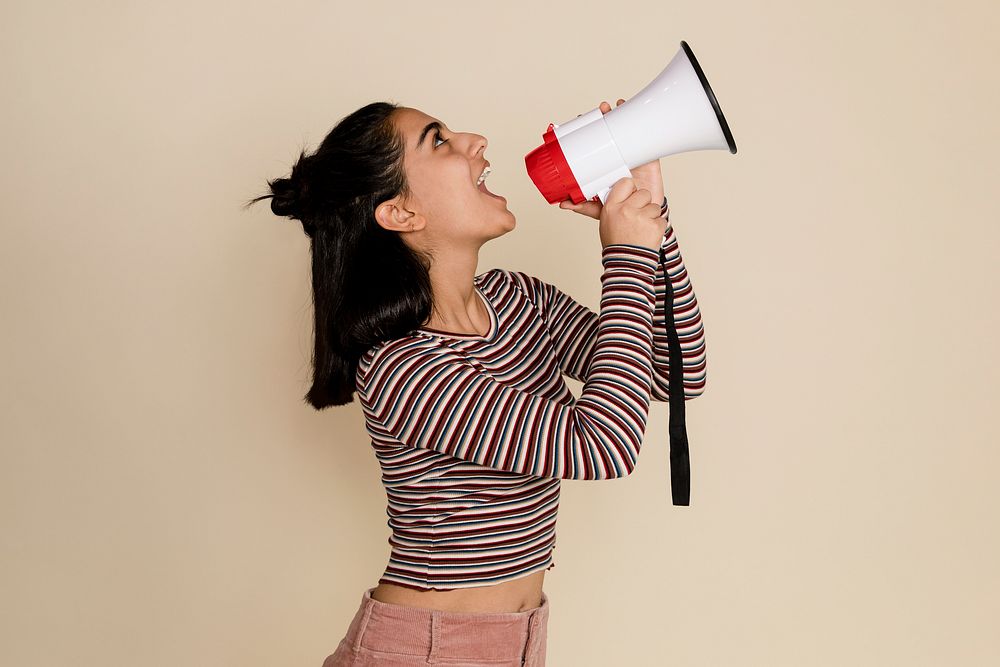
x=629 y=216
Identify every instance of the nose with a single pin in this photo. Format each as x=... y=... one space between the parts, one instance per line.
x=479 y=144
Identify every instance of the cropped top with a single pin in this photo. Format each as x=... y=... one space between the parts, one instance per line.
x=474 y=433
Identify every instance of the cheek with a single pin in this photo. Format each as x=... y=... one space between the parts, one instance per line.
x=453 y=186
x=445 y=186
x=444 y=175
x=459 y=174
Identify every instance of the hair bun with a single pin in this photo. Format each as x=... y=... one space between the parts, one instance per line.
x=285 y=197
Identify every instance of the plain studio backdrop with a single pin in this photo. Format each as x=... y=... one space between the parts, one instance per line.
x=169 y=499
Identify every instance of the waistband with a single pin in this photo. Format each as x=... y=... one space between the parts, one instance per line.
x=434 y=633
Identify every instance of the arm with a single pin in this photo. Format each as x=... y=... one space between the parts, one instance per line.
x=573 y=326
x=424 y=395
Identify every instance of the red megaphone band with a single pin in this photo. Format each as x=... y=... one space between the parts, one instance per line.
x=549 y=170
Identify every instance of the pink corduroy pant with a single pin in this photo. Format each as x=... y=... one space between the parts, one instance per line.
x=389 y=635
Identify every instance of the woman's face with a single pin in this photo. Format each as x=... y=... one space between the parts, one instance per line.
x=442 y=167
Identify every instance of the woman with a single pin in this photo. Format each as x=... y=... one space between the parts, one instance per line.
x=460 y=375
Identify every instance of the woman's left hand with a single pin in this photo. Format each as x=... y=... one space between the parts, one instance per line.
x=646 y=176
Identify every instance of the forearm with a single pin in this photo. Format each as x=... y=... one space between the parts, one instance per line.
x=687 y=321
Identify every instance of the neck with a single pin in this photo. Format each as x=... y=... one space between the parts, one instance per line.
x=457 y=307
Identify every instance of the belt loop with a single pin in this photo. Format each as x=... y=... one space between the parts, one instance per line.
x=528 y=639
x=435 y=635
x=362 y=625
x=536 y=640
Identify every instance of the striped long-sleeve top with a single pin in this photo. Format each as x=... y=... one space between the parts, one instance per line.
x=474 y=433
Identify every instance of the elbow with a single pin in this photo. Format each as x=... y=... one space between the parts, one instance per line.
x=611 y=452
x=693 y=386
x=628 y=456
x=697 y=388
x=694 y=390
x=614 y=465
x=617 y=470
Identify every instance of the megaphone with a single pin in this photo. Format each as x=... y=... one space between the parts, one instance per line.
x=677 y=112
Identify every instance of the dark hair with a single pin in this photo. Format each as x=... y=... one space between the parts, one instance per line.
x=368 y=285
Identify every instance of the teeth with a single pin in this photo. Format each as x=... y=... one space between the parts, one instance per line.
x=482 y=177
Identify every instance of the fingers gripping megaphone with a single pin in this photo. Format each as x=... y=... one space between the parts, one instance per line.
x=675 y=113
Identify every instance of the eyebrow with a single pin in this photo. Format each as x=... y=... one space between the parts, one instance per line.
x=428 y=128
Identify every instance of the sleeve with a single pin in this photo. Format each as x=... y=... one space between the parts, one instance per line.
x=424 y=395
x=573 y=326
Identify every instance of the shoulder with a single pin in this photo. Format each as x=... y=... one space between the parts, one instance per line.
x=389 y=352
x=526 y=283
x=407 y=357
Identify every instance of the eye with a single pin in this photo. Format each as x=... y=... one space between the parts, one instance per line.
x=437 y=135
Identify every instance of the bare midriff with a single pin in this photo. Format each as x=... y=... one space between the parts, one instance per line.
x=510 y=596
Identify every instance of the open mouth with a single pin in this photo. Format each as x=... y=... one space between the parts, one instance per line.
x=481 y=184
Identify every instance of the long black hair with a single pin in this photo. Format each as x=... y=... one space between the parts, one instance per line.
x=368 y=285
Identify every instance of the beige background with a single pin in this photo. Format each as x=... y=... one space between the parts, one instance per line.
x=168 y=498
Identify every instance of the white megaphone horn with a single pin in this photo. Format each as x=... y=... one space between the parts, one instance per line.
x=677 y=112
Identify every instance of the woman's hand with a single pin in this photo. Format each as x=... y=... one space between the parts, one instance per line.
x=630 y=217
x=646 y=177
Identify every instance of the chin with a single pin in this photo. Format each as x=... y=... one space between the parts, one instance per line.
x=505 y=227
x=512 y=221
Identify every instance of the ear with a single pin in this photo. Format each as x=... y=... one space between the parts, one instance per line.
x=391 y=215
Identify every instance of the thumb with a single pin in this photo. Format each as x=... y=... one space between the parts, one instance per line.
x=621 y=190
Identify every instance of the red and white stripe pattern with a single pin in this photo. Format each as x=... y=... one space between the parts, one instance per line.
x=475 y=433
